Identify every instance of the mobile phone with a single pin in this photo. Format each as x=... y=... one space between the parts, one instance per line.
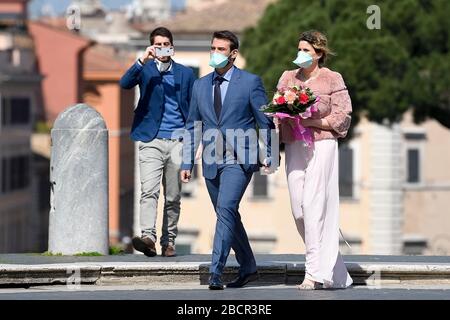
x=164 y=51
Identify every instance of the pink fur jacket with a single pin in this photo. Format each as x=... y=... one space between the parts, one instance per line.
x=334 y=104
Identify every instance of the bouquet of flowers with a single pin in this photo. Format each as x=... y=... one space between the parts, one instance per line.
x=294 y=103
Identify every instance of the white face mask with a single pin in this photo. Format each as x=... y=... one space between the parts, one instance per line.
x=218 y=60
x=163 y=66
x=304 y=60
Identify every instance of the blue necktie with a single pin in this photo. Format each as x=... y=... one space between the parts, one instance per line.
x=217 y=95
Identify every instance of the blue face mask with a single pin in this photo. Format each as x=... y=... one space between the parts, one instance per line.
x=304 y=60
x=218 y=60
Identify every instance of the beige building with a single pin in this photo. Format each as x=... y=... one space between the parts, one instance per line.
x=394 y=184
x=193 y=28
x=394 y=181
x=426 y=201
x=410 y=215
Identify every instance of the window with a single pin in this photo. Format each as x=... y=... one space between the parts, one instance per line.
x=5 y=175
x=7 y=56
x=3 y=111
x=414 y=245
x=20 y=110
x=350 y=244
x=15 y=173
x=260 y=187
x=346 y=171
x=262 y=242
x=413 y=165
x=413 y=155
x=415 y=136
x=15 y=111
x=186 y=240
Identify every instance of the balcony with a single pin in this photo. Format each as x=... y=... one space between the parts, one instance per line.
x=16 y=53
x=13 y=22
x=17 y=61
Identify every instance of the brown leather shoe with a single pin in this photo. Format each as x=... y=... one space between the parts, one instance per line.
x=168 y=251
x=145 y=245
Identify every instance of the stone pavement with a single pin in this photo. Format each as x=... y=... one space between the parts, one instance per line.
x=27 y=270
x=195 y=291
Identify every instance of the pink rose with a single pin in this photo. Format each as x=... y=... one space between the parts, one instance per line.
x=290 y=97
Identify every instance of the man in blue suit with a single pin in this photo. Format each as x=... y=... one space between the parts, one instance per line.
x=226 y=103
x=165 y=92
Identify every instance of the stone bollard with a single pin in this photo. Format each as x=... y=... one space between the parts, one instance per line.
x=78 y=219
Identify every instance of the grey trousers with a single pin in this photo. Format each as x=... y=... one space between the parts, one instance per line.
x=156 y=161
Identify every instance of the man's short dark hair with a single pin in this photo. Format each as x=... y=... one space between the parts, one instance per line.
x=163 y=32
x=227 y=35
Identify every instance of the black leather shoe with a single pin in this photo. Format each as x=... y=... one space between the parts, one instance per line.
x=241 y=281
x=215 y=286
x=215 y=283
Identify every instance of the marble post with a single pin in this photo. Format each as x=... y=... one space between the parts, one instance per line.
x=79 y=183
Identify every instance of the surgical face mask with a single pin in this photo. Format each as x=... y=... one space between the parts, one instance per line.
x=218 y=60
x=162 y=66
x=304 y=60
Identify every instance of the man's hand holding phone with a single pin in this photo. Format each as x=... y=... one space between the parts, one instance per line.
x=149 y=54
x=153 y=52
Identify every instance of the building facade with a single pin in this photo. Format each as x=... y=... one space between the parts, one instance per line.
x=20 y=100
x=393 y=179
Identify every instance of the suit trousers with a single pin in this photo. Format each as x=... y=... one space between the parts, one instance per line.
x=226 y=191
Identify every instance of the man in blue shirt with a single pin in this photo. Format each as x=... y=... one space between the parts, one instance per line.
x=163 y=107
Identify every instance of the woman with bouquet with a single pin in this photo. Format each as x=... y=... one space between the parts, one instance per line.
x=312 y=168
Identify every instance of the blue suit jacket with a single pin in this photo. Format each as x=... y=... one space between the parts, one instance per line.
x=150 y=108
x=241 y=110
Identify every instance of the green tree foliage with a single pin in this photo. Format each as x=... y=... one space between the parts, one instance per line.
x=405 y=64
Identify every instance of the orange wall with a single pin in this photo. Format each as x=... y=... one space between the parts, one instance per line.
x=60 y=56
x=13 y=7
x=107 y=103
x=58 y=53
x=106 y=97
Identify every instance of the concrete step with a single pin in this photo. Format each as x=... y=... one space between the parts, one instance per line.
x=31 y=270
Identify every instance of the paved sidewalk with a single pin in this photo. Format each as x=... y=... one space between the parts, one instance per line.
x=34 y=269
x=195 y=291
